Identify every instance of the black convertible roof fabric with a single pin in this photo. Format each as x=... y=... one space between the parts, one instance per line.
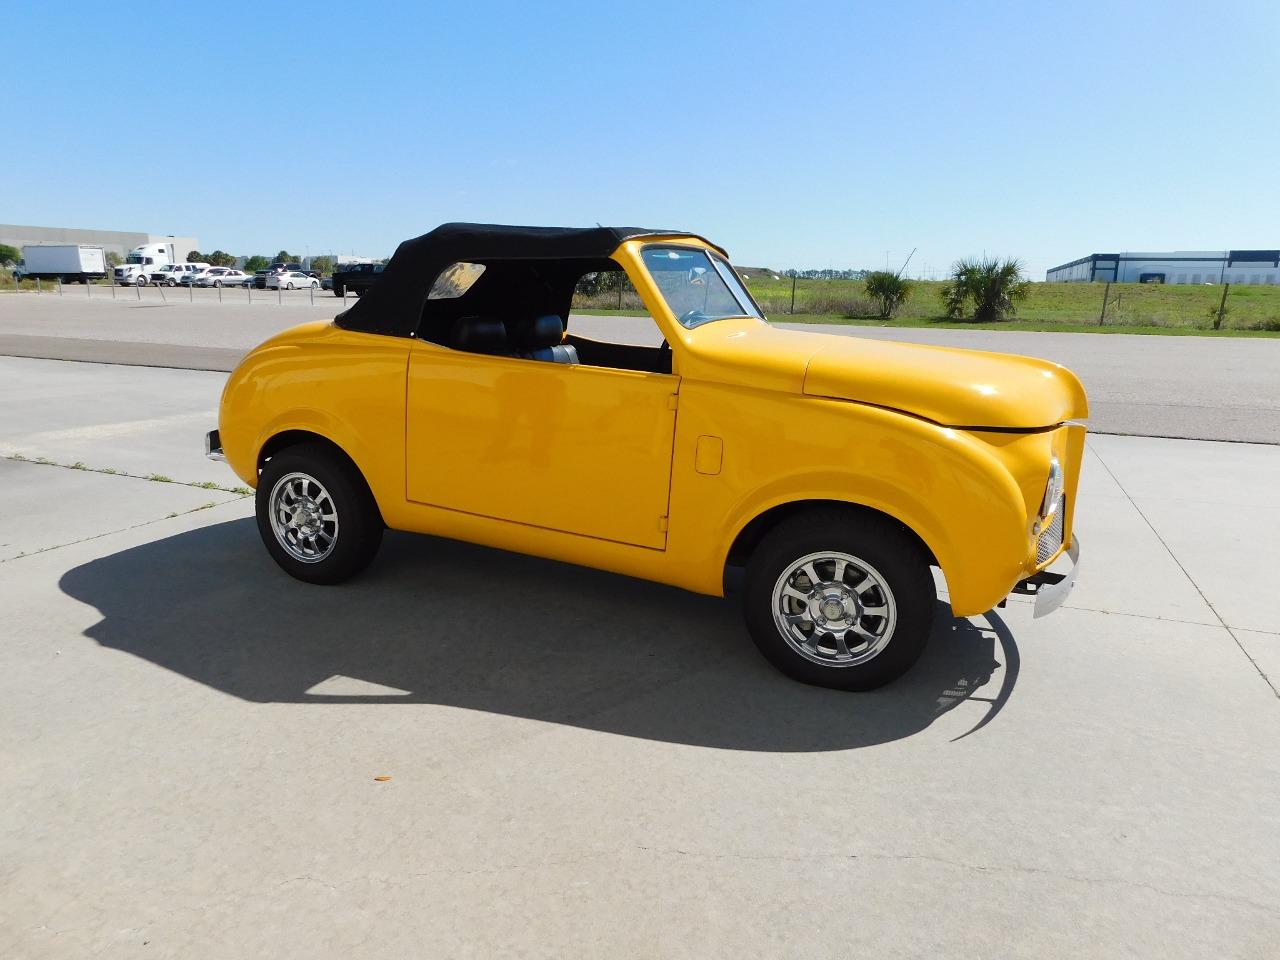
x=393 y=305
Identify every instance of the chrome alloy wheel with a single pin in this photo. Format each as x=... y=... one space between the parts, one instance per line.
x=303 y=517
x=834 y=609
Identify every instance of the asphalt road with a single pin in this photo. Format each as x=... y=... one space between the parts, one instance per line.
x=1189 y=387
x=596 y=766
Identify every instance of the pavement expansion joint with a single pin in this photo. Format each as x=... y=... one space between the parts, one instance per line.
x=1186 y=573
x=111 y=472
x=108 y=533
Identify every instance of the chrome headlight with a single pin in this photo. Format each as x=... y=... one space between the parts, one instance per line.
x=1052 y=490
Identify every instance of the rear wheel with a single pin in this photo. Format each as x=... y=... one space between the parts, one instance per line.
x=316 y=515
x=839 y=599
x=337 y=290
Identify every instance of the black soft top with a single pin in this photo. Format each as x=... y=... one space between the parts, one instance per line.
x=393 y=305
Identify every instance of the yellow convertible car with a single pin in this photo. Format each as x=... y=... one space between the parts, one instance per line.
x=836 y=471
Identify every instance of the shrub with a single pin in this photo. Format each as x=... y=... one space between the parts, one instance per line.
x=992 y=286
x=888 y=290
x=837 y=306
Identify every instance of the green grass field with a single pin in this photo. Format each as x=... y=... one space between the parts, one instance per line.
x=1136 y=308
x=1068 y=307
x=1054 y=306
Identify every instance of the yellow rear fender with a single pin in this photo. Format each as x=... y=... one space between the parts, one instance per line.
x=346 y=387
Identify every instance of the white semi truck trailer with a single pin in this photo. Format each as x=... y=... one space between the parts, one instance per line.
x=68 y=262
x=142 y=262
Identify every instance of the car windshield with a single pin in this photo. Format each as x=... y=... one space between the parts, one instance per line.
x=697 y=286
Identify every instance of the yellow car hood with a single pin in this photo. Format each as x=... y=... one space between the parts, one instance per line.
x=955 y=387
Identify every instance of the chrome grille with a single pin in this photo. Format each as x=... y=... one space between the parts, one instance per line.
x=1051 y=538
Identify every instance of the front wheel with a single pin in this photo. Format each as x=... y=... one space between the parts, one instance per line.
x=839 y=599
x=171 y=283
x=316 y=515
x=142 y=281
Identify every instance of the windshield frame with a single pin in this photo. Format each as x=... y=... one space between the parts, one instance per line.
x=724 y=270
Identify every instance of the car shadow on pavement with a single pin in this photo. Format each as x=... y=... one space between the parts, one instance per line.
x=441 y=622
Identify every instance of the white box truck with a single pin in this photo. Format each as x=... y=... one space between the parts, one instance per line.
x=68 y=262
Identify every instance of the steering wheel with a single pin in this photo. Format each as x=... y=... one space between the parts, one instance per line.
x=689 y=316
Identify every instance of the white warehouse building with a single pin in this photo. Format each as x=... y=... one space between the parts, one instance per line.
x=1249 y=267
x=111 y=241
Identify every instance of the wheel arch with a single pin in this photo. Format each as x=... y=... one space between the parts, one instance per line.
x=287 y=439
x=292 y=438
x=750 y=535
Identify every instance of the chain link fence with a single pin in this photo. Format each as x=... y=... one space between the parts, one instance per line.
x=177 y=293
x=1070 y=305
x=1183 y=306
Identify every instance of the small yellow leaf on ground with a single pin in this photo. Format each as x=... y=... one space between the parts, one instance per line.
x=381 y=779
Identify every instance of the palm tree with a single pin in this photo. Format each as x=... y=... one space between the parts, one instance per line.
x=888 y=290
x=991 y=285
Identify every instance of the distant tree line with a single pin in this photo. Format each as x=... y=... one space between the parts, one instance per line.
x=825 y=274
x=220 y=258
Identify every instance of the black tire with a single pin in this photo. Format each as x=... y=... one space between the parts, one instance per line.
x=359 y=522
x=876 y=541
x=337 y=290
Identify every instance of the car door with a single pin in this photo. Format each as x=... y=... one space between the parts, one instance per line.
x=582 y=449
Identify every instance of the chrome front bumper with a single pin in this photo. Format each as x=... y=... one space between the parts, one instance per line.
x=1052 y=589
x=213 y=446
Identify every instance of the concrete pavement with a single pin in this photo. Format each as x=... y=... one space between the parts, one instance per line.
x=132 y=420
x=192 y=737
x=1191 y=387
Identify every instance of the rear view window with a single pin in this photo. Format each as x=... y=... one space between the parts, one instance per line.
x=455 y=280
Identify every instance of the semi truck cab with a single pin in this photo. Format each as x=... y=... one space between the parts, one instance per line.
x=142 y=262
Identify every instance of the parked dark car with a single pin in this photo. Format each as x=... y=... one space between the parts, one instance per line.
x=356 y=278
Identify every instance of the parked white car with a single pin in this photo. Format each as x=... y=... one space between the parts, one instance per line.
x=171 y=274
x=222 y=277
x=291 y=280
x=188 y=278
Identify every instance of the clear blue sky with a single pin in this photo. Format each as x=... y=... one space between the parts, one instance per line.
x=803 y=134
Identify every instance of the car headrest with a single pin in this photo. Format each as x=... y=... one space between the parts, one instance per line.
x=544 y=331
x=479 y=334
